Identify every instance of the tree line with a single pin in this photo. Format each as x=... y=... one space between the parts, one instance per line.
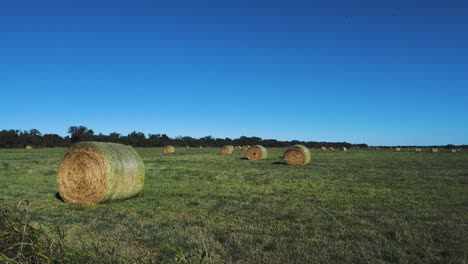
x=34 y=138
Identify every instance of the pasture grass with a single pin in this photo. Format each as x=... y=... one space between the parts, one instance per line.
x=359 y=206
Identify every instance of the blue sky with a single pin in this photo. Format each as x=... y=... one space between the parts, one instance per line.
x=376 y=72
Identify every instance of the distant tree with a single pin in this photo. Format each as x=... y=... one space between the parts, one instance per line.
x=269 y=143
x=10 y=138
x=30 y=138
x=185 y=141
x=101 y=138
x=80 y=133
x=158 y=140
x=136 y=139
x=53 y=140
x=19 y=139
x=243 y=140
x=114 y=137
x=206 y=141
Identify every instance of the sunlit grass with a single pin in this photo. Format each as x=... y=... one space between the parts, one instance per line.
x=359 y=206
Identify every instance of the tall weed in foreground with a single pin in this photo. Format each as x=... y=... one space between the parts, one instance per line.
x=24 y=240
x=27 y=241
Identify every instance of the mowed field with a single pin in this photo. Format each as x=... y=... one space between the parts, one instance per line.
x=360 y=206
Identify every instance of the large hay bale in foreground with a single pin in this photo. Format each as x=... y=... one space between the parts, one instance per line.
x=256 y=152
x=297 y=154
x=97 y=172
x=228 y=149
x=168 y=149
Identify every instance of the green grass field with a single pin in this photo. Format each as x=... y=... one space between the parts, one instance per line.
x=360 y=206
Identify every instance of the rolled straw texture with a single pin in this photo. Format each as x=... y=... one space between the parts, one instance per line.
x=228 y=149
x=98 y=172
x=168 y=149
x=297 y=154
x=257 y=152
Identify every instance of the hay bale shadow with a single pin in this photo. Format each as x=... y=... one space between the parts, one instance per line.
x=58 y=197
x=279 y=163
x=243 y=158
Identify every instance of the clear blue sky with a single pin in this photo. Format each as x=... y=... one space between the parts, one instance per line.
x=376 y=72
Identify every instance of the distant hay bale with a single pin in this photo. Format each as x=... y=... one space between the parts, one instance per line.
x=323 y=148
x=397 y=149
x=187 y=147
x=417 y=149
x=225 y=150
x=453 y=150
x=297 y=154
x=245 y=147
x=29 y=147
x=434 y=150
x=97 y=172
x=257 y=152
x=344 y=148
x=459 y=150
x=200 y=147
x=168 y=149
x=331 y=148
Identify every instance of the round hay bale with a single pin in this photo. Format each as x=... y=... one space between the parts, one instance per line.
x=257 y=152
x=323 y=148
x=397 y=149
x=453 y=150
x=29 y=147
x=331 y=148
x=297 y=154
x=246 y=147
x=168 y=149
x=187 y=147
x=344 y=148
x=97 y=172
x=228 y=149
x=434 y=150
x=418 y=149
